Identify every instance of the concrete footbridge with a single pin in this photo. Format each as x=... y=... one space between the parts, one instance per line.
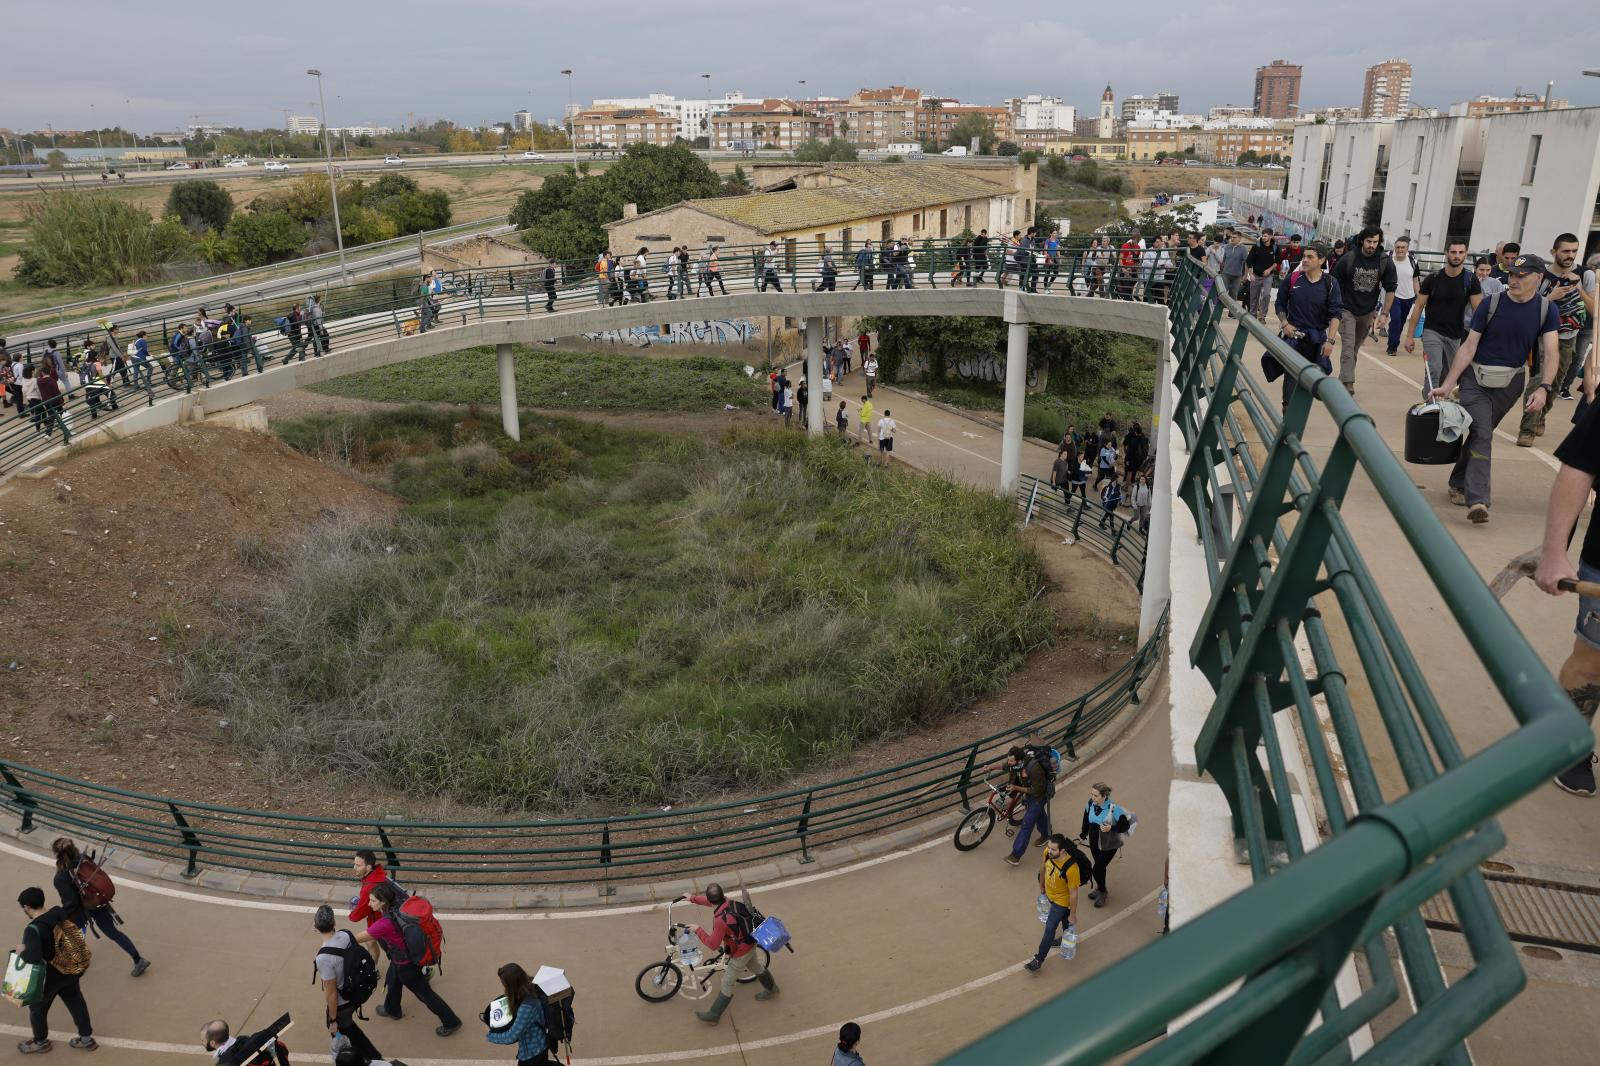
x=1330 y=720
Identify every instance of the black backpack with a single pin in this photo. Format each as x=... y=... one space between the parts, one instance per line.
x=742 y=919
x=360 y=972
x=559 y=1021
x=1038 y=755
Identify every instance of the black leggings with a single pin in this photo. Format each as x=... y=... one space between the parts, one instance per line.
x=1102 y=859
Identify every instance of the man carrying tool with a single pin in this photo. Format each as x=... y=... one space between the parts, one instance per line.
x=1580 y=674
x=732 y=932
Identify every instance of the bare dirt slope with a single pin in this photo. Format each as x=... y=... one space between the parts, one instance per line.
x=105 y=564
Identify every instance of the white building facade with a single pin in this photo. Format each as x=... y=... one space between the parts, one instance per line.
x=302 y=124
x=693 y=117
x=1041 y=113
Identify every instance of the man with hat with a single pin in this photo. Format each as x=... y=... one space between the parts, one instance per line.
x=1505 y=330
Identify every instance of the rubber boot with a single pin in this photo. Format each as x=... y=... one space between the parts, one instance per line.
x=714 y=1015
x=769 y=987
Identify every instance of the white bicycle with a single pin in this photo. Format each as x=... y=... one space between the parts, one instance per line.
x=686 y=956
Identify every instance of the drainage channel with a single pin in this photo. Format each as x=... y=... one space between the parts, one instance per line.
x=1553 y=914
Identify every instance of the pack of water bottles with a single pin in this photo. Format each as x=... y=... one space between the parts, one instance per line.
x=1069 y=942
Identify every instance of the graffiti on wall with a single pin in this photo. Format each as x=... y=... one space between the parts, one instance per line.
x=989 y=368
x=712 y=331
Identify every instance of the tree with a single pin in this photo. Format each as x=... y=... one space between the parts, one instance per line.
x=1372 y=210
x=90 y=238
x=364 y=141
x=737 y=183
x=462 y=141
x=1008 y=148
x=363 y=225
x=202 y=205
x=832 y=150
x=55 y=160
x=565 y=217
x=215 y=248
x=969 y=126
x=1247 y=156
x=261 y=237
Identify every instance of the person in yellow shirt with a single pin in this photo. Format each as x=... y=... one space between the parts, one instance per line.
x=865 y=433
x=1059 y=878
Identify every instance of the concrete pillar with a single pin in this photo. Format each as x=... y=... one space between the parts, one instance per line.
x=814 y=412
x=1016 y=393
x=1158 y=545
x=508 y=392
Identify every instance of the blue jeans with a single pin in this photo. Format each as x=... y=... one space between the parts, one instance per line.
x=1055 y=921
x=108 y=925
x=1399 y=311
x=1037 y=814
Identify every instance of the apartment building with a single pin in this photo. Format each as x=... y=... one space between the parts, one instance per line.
x=873 y=118
x=1150 y=142
x=1484 y=106
x=940 y=123
x=1277 y=89
x=620 y=127
x=1040 y=113
x=781 y=124
x=1386 y=92
x=1226 y=144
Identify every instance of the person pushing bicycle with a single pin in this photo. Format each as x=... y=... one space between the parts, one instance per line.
x=731 y=933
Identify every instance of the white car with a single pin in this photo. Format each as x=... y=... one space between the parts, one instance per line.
x=236 y=163
x=532 y=155
x=275 y=164
x=1273 y=166
x=178 y=166
x=393 y=161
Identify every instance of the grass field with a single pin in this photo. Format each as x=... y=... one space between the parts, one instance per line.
x=545 y=378
x=620 y=617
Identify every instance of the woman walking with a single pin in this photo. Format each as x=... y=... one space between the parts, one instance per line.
x=527 y=1013
x=849 y=1040
x=1103 y=825
x=74 y=907
x=405 y=972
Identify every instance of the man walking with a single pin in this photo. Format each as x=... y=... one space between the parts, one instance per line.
x=1059 y=879
x=1261 y=267
x=730 y=933
x=1362 y=274
x=1034 y=782
x=864 y=263
x=372 y=874
x=549 y=288
x=1405 y=291
x=1505 y=329
x=1573 y=294
x=340 y=970
x=1309 y=307
x=769 y=268
x=886 y=428
x=1448 y=296
x=980 y=257
x=64 y=961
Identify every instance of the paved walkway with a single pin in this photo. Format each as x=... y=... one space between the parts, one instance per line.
x=1552 y=835
x=924 y=947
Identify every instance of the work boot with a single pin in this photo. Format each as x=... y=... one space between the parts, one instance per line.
x=1456 y=496
x=769 y=987
x=1525 y=440
x=714 y=1015
x=1478 y=514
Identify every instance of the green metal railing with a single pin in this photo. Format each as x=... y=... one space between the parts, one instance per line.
x=1288 y=568
x=602 y=849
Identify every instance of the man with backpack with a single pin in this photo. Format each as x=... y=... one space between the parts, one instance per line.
x=53 y=941
x=348 y=976
x=1033 y=775
x=1448 y=297
x=1507 y=329
x=732 y=932
x=1364 y=275
x=372 y=874
x=261 y=1048
x=1572 y=291
x=1065 y=869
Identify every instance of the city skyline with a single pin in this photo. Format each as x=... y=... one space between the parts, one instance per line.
x=474 y=77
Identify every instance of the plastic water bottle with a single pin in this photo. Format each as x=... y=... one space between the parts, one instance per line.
x=1161 y=904
x=1043 y=908
x=1069 y=942
x=689 y=948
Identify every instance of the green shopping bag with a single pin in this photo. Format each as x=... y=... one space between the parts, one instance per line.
x=24 y=981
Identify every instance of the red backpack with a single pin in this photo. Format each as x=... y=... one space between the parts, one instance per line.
x=94 y=884
x=418 y=910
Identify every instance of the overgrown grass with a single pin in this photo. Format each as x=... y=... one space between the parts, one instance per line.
x=618 y=617
x=561 y=379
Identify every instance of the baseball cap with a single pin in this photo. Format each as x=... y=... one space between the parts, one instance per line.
x=1527 y=263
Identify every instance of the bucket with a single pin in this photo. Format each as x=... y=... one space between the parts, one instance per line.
x=1423 y=446
x=771 y=935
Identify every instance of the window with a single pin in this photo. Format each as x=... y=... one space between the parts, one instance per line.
x=1522 y=219
x=1349 y=151
x=1416 y=160
x=1534 y=144
x=1411 y=201
x=944 y=223
x=887 y=230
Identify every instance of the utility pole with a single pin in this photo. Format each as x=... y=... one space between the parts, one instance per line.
x=333 y=188
x=572 y=125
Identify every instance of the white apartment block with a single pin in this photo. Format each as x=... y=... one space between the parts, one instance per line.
x=1160 y=119
x=302 y=124
x=1520 y=177
x=693 y=117
x=1041 y=113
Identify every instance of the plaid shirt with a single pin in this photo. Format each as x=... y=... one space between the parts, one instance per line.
x=527 y=1030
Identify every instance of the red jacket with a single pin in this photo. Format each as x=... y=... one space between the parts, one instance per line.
x=362 y=911
x=720 y=935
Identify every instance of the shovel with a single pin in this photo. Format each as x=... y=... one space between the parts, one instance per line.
x=1524 y=565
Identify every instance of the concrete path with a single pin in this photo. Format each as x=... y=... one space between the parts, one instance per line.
x=1552 y=835
x=924 y=947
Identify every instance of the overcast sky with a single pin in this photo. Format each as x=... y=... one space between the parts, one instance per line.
x=155 y=64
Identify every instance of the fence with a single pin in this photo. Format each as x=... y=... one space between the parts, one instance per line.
x=657 y=844
x=1288 y=569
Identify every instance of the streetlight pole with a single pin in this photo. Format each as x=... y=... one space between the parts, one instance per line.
x=101 y=148
x=327 y=154
x=572 y=125
x=710 y=134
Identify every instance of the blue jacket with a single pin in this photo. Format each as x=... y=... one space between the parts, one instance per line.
x=527 y=1030
x=1310 y=306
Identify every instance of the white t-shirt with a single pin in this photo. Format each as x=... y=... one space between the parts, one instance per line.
x=1405 y=278
x=886 y=428
x=331 y=967
x=870 y=367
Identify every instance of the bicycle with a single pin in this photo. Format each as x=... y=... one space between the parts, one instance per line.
x=979 y=822
x=660 y=981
